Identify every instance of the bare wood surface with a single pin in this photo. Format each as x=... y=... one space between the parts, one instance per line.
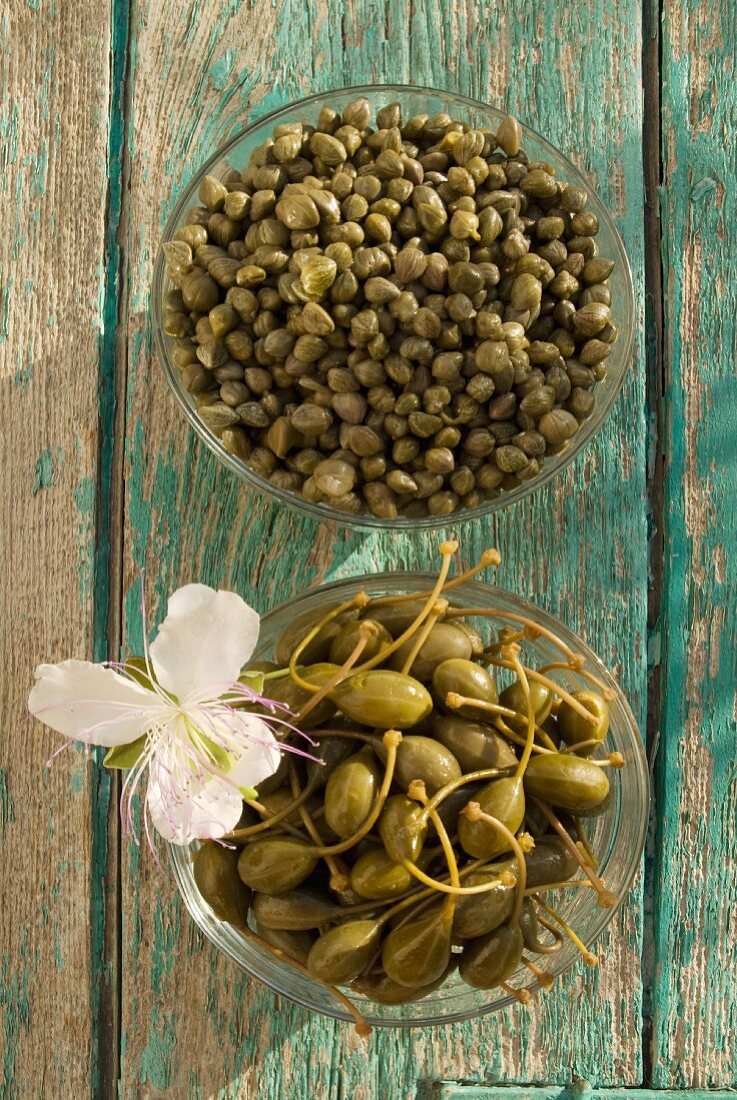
x=54 y=100
x=192 y=1025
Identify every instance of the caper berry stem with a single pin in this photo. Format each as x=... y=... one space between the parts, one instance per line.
x=350 y=735
x=359 y=600
x=606 y=692
x=391 y=739
x=522 y=996
x=447 y=549
x=488 y=558
x=606 y=897
x=588 y=956
x=613 y=760
x=556 y=689
x=513 y=654
x=474 y=813
x=541 y=948
x=261 y=809
x=448 y=852
x=339 y=880
x=365 y=633
x=362 y=1026
x=545 y=979
x=413 y=790
x=421 y=636
x=252 y=830
x=584 y=842
x=512 y=735
x=533 y=630
x=563 y=884
x=571 y=750
x=454 y=701
x=444 y=888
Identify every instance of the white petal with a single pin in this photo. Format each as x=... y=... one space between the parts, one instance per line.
x=205 y=640
x=90 y=703
x=204 y=811
x=259 y=758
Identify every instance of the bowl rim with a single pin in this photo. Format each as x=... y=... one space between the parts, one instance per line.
x=209 y=927
x=366 y=521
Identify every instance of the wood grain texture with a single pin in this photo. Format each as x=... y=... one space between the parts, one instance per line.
x=53 y=185
x=580 y=1090
x=695 y=991
x=192 y=1025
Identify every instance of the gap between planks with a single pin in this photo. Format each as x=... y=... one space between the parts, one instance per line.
x=654 y=389
x=109 y=546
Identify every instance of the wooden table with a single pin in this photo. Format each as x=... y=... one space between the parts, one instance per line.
x=107 y=109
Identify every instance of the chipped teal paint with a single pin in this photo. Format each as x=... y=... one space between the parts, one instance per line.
x=187 y=501
x=23 y=373
x=700 y=647
x=14 y=999
x=43 y=473
x=579 y=1091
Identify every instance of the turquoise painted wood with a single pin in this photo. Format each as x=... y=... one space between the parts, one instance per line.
x=580 y=1090
x=583 y=554
x=695 y=937
x=157 y=89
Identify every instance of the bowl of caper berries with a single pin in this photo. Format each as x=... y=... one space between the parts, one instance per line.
x=392 y=305
x=459 y=811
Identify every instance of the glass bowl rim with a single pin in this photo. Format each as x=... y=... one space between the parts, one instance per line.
x=367 y=521
x=180 y=863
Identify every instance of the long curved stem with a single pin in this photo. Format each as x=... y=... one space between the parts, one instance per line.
x=253 y=830
x=524 y=684
x=359 y=600
x=588 y=956
x=607 y=692
x=391 y=740
x=474 y=813
x=442 y=794
x=422 y=635
x=511 y=735
x=532 y=629
x=556 y=689
x=584 y=842
x=447 y=549
x=606 y=897
x=365 y=632
x=339 y=880
x=488 y=558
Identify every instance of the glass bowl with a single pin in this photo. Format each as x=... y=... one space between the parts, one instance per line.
x=618 y=836
x=235 y=154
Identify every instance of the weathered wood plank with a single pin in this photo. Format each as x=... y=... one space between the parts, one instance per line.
x=695 y=988
x=581 y=1090
x=191 y=1024
x=54 y=92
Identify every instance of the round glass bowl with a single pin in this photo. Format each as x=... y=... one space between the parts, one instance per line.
x=235 y=155
x=618 y=836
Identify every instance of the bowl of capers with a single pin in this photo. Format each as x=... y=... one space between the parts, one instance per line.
x=468 y=816
x=391 y=305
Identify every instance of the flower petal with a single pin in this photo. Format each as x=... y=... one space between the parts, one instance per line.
x=204 y=641
x=91 y=703
x=260 y=756
x=204 y=811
